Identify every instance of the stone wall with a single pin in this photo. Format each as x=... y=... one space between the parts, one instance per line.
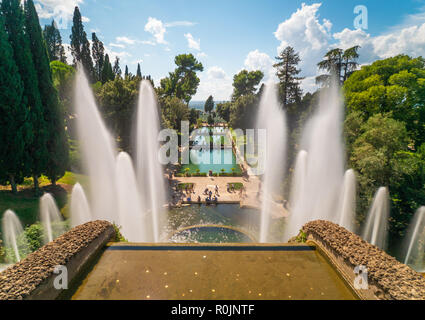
x=388 y=279
x=33 y=277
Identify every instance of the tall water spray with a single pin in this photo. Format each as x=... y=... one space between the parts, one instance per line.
x=415 y=242
x=50 y=218
x=79 y=208
x=273 y=119
x=98 y=152
x=323 y=141
x=149 y=169
x=376 y=228
x=347 y=207
x=12 y=232
x=132 y=217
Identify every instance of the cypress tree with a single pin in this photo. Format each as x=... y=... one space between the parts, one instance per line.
x=126 y=72
x=36 y=151
x=139 y=71
x=80 y=46
x=98 y=52
x=117 y=69
x=14 y=128
x=107 y=73
x=54 y=45
x=56 y=139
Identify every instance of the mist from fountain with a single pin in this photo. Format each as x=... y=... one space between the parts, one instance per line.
x=149 y=169
x=79 y=207
x=132 y=200
x=12 y=231
x=50 y=218
x=273 y=119
x=347 y=207
x=376 y=228
x=415 y=242
x=133 y=219
x=98 y=152
x=324 y=170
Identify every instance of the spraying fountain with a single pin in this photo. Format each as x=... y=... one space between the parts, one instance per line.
x=12 y=232
x=376 y=228
x=50 y=218
x=347 y=207
x=415 y=242
x=149 y=169
x=79 y=208
x=271 y=118
x=132 y=200
x=324 y=169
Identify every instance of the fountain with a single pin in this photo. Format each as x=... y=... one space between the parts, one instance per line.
x=113 y=182
x=324 y=169
x=79 y=208
x=273 y=119
x=347 y=208
x=415 y=242
x=376 y=228
x=149 y=170
x=50 y=218
x=132 y=217
x=12 y=234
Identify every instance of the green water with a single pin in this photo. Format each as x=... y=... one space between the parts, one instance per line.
x=210 y=235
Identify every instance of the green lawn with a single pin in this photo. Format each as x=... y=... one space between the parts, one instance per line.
x=26 y=205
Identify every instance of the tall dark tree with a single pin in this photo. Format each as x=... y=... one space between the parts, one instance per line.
x=54 y=45
x=287 y=72
x=36 y=150
x=80 y=46
x=209 y=105
x=126 y=72
x=54 y=120
x=139 y=71
x=117 y=69
x=14 y=128
x=107 y=73
x=98 y=52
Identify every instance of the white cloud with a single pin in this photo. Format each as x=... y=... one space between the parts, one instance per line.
x=192 y=42
x=157 y=29
x=126 y=40
x=117 y=45
x=60 y=10
x=216 y=73
x=179 y=24
x=257 y=60
x=201 y=55
x=214 y=82
x=85 y=19
x=148 y=42
x=307 y=35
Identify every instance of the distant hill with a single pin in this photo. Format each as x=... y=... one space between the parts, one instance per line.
x=199 y=105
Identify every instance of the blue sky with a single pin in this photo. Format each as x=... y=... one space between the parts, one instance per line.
x=231 y=35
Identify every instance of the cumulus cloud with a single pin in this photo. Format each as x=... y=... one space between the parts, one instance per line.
x=257 y=60
x=157 y=29
x=179 y=24
x=307 y=34
x=60 y=10
x=216 y=73
x=192 y=42
x=214 y=82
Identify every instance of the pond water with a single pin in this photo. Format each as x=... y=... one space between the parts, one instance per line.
x=244 y=220
x=205 y=158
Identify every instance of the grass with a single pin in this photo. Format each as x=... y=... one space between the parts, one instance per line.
x=26 y=205
x=182 y=186
x=237 y=185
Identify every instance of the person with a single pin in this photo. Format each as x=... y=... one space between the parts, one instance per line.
x=210 y=194
x=206 y=191
x=199 y=199
x=216 y=189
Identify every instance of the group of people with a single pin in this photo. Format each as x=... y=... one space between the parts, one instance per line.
x=209 y=194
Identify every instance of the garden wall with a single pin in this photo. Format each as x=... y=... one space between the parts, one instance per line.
x=33 y=277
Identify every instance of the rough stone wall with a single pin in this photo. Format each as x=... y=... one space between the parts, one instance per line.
x=396 y=280
x=24 y=278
